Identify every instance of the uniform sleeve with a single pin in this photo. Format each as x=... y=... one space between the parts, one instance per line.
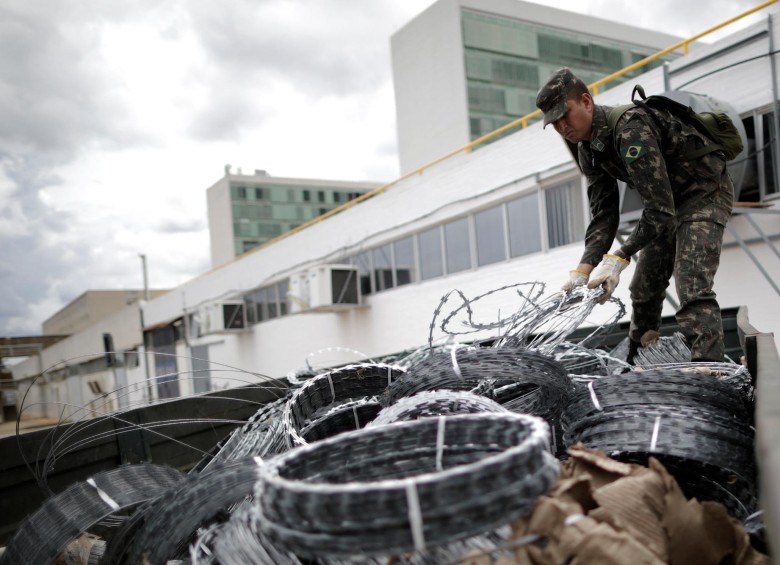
x=640 y=150
x=604 y=200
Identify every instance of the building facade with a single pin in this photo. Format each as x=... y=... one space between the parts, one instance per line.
x=92 y=307
x=247 y=210
x=464 y=68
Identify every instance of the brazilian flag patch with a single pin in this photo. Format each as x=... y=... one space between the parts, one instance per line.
x=633 y=152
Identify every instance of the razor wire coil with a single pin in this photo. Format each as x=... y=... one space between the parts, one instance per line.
x=356 y=492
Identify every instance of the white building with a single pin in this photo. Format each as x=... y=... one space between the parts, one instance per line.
x=463 y=68
x=512 y=212
x=247 y=210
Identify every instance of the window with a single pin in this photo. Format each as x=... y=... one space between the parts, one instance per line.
x=258 y=193
x=267 y=303
x=489 y=228
x=456 y=243
x=256 y=306
x=383 y=267
x=486 y=99
x=431 y=260
x=336 y=197
x=248 y=244
x=405 y=268
x=321 y=196
x=323 y=211
x=201 y=375
x=271 y=301
x=565 y=221
x=306 y=196
x=768 y=160
x=363 y=263
x=162 y=343
x=524 y=225
x=241 y=192
x=282 y=292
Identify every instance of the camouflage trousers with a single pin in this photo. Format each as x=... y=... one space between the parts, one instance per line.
x=692 y=254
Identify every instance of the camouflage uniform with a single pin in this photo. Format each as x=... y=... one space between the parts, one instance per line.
x=686 y=206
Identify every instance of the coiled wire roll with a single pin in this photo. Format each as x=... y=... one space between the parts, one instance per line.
x=165 y=526
x=344 y=417
x=405 y=486
x=530 y=382
x=690 y=421
x=62 y=517
x=260 y=436
x=330 y=389
x=431 y=403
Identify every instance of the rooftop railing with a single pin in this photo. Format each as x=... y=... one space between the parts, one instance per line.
x=520 y=122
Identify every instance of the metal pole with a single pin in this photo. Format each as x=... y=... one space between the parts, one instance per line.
x=146 y=277
x=775 y=119
x=667 y=82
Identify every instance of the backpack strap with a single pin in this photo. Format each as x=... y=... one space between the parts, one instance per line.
x=615 y=114
x=618 y=111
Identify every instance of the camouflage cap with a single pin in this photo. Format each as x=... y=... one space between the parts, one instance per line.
x=552 y=97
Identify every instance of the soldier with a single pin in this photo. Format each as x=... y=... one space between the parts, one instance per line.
x=686 y=204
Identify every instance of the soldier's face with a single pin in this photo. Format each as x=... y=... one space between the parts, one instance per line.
x=577 y=123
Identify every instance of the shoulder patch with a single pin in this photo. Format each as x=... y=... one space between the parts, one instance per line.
x=633 y=151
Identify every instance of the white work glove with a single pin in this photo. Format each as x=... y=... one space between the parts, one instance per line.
x=576 y=278
x=607 y=275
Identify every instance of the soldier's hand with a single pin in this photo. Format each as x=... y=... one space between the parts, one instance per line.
x=576 y=278
x=607 y=275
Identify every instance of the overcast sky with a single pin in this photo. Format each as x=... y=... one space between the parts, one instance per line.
x=116 y=116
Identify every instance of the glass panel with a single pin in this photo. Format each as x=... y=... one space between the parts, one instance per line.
x=489 y=226
x=565 y=222
x=363 y=263
x=769 y=156
x=383 y=268
x=456 y=238
x=431 y=260
x=282 y=289
x=261 y=309
x=404 y=261
x=273 y=307
x=524 y=225
x=201 y=375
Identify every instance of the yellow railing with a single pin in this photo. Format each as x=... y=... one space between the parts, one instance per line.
x=523 y=122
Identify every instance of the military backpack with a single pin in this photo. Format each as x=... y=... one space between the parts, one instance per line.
x=716 y=126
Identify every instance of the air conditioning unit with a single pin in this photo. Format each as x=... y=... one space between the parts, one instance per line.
x=333 y=287
x=220 y=317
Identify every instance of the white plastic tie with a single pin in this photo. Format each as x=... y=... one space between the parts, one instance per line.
x=656 y=427
x=594 y=398
x=415 y=515
x=455 y=366
x=440 y=442
x=332 y=390
x=103 y=495
x=357 y=420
